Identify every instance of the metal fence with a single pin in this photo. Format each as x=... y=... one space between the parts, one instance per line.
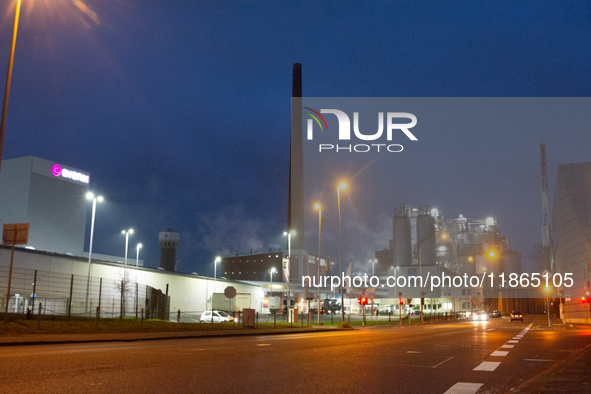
x=66 y=295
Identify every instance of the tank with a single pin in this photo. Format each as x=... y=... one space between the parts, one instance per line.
x=402 y=240
x=168 y=241
x=426 y=236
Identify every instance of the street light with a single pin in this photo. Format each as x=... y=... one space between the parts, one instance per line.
x=288 y=274
x=137 y=260
x=319 y=208
x=90 y=196
x=372 y=266
x=9 y=78
x=343 y=186
x=130 y=231
x=548 y=307
x=215 y=266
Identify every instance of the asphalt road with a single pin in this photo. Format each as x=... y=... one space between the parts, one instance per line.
x=411 y=359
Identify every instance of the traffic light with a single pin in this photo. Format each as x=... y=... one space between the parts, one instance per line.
x=362 y=300
x=401 y=301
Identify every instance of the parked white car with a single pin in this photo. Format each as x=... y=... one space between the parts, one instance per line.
x=218 y=317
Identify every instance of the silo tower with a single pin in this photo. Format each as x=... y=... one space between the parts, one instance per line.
x=168 y=241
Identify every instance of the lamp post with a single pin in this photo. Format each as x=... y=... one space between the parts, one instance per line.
x=123 y=285
x=288 y=273
x=215 y=266
x=319 y=208
x=548 y=307
x=9 y=78
x=137 y=260
x=94 y=199
x=343 y=185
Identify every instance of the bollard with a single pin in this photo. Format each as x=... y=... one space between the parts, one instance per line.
x=389 y=315
x=256 y=322
x=39 y=318
x=274 y=320
x=178 y=319
x=302 y=321
x=97 y=318
x=142 y=321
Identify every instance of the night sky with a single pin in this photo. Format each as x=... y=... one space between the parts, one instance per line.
x=181 y=109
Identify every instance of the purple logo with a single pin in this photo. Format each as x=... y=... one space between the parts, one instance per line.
x=56 y=170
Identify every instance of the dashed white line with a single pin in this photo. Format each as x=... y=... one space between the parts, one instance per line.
x=513 y=341
x=499 y=353
x=507 y=346
x=487 y=366
x=464 y=388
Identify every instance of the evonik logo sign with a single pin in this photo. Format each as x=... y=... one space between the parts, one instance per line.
x=344 y=133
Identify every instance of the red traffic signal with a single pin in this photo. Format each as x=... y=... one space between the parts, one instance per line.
x=362 y=300
x=401 y=301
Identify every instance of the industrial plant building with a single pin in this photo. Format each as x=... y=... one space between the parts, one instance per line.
x=51 y=197
x=571 y=246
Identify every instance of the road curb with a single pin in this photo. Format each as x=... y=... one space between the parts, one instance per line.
x=163 y=338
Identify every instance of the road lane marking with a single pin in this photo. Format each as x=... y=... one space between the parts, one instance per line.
x=499 y=353
x=435 y=366
x=464 y=388
x=263 y=344
x=513 y=341
x=487 y=366
x=507 y=346
x=412 y=352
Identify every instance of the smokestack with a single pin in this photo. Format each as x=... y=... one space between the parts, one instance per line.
x=296 y=90
x=295 y=209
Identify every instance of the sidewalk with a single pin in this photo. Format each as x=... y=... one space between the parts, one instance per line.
x=55 y=339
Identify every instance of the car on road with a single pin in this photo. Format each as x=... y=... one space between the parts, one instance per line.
x=218 y=317
x=496 y=313
x=480 y=316
x=516 y=316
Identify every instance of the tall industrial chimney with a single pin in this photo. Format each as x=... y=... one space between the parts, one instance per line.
x=295 y=211
x=168 y=241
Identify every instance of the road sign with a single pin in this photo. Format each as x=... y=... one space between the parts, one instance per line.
x=15 y=234
x=230 y=292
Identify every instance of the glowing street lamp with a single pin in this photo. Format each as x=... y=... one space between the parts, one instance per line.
x=90 y=196
x=319 y=208
x=340 y=187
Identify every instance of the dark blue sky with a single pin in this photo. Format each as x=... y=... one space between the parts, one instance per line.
x=181 y=109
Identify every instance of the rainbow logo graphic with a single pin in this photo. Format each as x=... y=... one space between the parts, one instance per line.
x=315 y=115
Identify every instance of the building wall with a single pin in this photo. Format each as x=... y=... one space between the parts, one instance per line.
x=54 y=206
x=572 y=235
x=189 y=293
x=253 y=267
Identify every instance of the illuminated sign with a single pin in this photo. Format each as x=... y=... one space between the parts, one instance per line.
x=58 y=171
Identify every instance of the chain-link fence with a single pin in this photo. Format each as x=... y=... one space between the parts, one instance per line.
x=75 y=295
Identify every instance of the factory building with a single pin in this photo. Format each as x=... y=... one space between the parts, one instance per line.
x=51 y=197
x=459 y=245
x=572 y=238
x=257 y=267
